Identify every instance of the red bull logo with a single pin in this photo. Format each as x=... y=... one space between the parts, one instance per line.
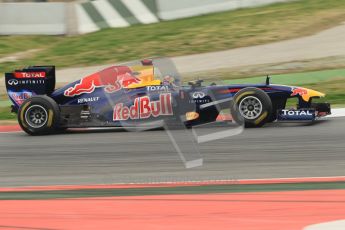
x=20 y=97
x=111 y=79
x=299 y=91
x=144 y=108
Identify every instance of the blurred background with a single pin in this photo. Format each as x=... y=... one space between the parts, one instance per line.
x=298 y=42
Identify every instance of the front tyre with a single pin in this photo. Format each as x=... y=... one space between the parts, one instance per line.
x=39 y=115
x=254 y=106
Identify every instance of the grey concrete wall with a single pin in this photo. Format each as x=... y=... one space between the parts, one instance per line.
x=169 y=10
x=89 y=16
x=32 y=18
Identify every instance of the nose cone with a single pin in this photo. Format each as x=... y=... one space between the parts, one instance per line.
x=306 y=93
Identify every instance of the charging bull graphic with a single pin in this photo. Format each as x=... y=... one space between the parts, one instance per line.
x=299 y=91
x=112 y=79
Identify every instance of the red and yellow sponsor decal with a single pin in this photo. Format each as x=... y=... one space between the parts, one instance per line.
x=305 y=93
x=192 y=116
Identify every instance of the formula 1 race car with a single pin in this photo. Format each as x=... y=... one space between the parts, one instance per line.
x=147 y=90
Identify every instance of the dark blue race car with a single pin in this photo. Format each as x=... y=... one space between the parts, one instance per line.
x=147 y=91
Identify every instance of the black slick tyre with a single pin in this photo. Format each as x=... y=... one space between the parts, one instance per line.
x=253 y=106
x=39 y=115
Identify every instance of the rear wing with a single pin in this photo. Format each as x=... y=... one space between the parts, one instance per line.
x=25 y=83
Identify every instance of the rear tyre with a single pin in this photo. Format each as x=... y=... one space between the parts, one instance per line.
x=39 y=115
x=254 y=106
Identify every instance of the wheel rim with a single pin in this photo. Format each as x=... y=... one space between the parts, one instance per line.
x=250 y=107
x=36 y=116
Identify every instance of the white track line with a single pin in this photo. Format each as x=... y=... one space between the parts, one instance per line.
x=333 y=225
x=210 y=181
x=338 y=113
x=11 y=132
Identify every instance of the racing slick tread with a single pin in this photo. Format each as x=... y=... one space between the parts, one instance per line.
x=53 y=113
x=266 y=106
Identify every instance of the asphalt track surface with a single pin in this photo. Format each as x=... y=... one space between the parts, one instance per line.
x=275 y=151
